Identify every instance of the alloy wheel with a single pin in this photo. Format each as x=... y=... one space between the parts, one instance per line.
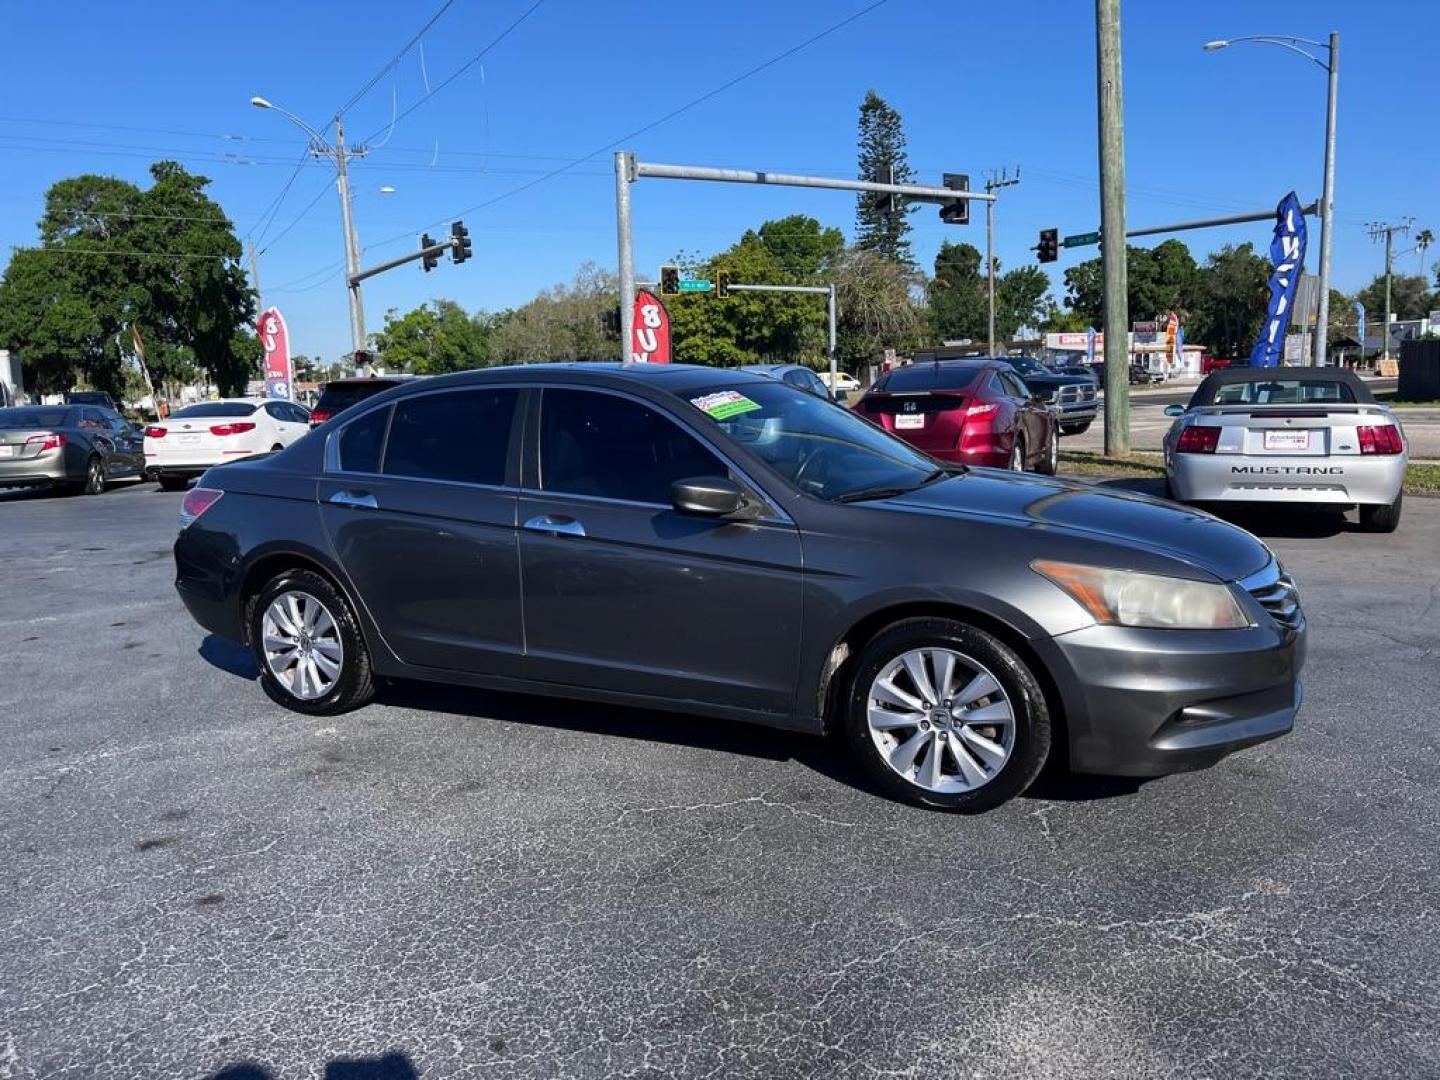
x=302 y=645
x=941 y=720
x=1054 y=451
x=1017 y=456
x=95 y=477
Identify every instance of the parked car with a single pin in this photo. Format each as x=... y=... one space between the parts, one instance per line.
x=796 y=375
x=715 y=542
x=190 y=440
x=1210 y=363
x=1141 y=375
x=92 y=397
x=843 y=381
x=340 y=394
x=77 y=447
x=1288 y=435
x=1074 y=394
x=975 y=411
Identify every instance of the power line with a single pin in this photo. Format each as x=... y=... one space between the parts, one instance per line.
x=390 y=64
x=832 y=28
x=274 y=206
x=125 y=254
x=308 y=207
x=461 y=69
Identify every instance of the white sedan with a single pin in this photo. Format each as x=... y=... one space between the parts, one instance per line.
x=190 y=440
x=843 y=381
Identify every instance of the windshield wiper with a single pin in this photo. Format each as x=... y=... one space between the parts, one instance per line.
x=944 y=471
x=871 y=493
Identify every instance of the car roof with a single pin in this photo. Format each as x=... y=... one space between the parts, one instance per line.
x=673 y=378
x=1205 y=392
x=361 y=380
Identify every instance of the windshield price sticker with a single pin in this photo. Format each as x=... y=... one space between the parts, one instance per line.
x=725 y=404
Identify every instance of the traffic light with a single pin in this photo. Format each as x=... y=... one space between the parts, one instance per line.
x=722 y=284
x=430 y=259
x=1049 y=246
x=461 y=249
x=611 y=319
x=957 y=212
x=669 y=281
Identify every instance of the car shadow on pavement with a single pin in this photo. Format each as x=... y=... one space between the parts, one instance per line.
x=394 y=1066
x=229 y=657
x=1273 y=522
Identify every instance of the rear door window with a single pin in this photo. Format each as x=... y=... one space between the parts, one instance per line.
x=361 y=442
x=615 y=448
x=459 y=435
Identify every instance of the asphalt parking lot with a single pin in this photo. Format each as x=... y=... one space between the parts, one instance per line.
x=200 y=884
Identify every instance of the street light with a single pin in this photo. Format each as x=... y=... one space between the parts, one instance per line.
x=340 y=155
x=1331 y=64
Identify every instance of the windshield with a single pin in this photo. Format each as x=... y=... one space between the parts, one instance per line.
x=1026 y=366
x=340 y=395
x=822 y=448
x=1282 y=392
x=214 y=408
x=34 y=418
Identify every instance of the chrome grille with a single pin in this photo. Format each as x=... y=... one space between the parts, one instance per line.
x=1076 y=392
x=1276 y=592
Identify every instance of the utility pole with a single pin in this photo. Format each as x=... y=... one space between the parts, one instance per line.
x=1377 y=230
x=993 y=184
x=255 y=276
x=1112 y=226
x=352 y=243
x=1327 y=206
x=624 y=176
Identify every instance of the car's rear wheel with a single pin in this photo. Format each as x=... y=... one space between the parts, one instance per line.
x=308 y=646
x=172 y=483
x=1017 y=455
x=945 y=715
x=1075 y=429
x=1382 y=519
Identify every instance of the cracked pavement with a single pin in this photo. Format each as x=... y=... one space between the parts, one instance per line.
x=453 y=883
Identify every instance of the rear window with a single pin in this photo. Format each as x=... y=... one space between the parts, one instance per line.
x=34 y=418
x=928 y=376
x=338 y=396
x=214 y=408
x=1283 y=392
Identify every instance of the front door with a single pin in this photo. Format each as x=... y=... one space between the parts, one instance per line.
x=422 y=518
x=622 y=592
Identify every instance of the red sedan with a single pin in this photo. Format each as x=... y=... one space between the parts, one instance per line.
x=974 y=411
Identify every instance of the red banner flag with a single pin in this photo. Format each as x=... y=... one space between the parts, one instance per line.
x=276 y=341
x=650 y=339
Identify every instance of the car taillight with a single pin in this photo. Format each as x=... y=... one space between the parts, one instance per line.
x=980 y=412
x=1384 y=439
x=1198 y=440
x=232 y=429
x=197 y=501
x=154 y=431
x=50 y=440
x=319 y=416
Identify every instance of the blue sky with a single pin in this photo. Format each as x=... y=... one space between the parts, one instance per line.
x=112 y=87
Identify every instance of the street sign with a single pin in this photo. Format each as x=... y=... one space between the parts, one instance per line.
x=1081 y=239
x=694 y=285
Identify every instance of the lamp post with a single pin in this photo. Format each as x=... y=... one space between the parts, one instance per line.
x=1331 y=64
x=320 y=148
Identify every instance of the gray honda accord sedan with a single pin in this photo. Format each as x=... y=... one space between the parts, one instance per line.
x=716 y=543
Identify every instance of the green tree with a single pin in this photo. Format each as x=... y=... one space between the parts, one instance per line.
x=1409 y=299
x=958 y=309
x=877 y=307
x=565 y=322
x=1230 y=301
x=881 y=223
x=434 y=338
x=1021 y=297
x=803 y=248
x=46 y=317
x=1158 y=280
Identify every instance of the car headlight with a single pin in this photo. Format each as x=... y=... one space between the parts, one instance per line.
x=1127 y=598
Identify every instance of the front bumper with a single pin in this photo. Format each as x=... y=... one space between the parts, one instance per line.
x=1341 y=479
x=1153 y=702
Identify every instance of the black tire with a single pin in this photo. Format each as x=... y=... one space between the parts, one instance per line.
x=172 y=483
x=1075 y=429
x=94 y=482
x=354 y=686
x=1017 y=454
x=1031 y=746
x=276 y=448
x=1050 y=463
x=1382 y=519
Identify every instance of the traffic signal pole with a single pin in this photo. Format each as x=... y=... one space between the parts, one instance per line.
x=832 y=312
x=628 y=169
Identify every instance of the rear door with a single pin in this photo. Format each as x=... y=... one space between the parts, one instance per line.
x=624 y=593
x=1031 y=418
x=420 y=510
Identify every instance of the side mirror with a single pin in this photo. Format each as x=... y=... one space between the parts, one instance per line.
x=1174 y=410
x=709 y=496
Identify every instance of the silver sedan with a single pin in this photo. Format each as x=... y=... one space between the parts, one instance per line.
x=1288 y=435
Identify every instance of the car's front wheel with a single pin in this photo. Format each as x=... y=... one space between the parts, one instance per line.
x=1017 y=455
x=1050 y=464
x=1384 y=518
x=945 y=715
x=1075 y=429
x=308 y=646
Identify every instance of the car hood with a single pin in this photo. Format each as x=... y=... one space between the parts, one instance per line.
x=1081 y=509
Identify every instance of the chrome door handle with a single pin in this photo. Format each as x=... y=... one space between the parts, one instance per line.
x=361 y=499
x=555 y=525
